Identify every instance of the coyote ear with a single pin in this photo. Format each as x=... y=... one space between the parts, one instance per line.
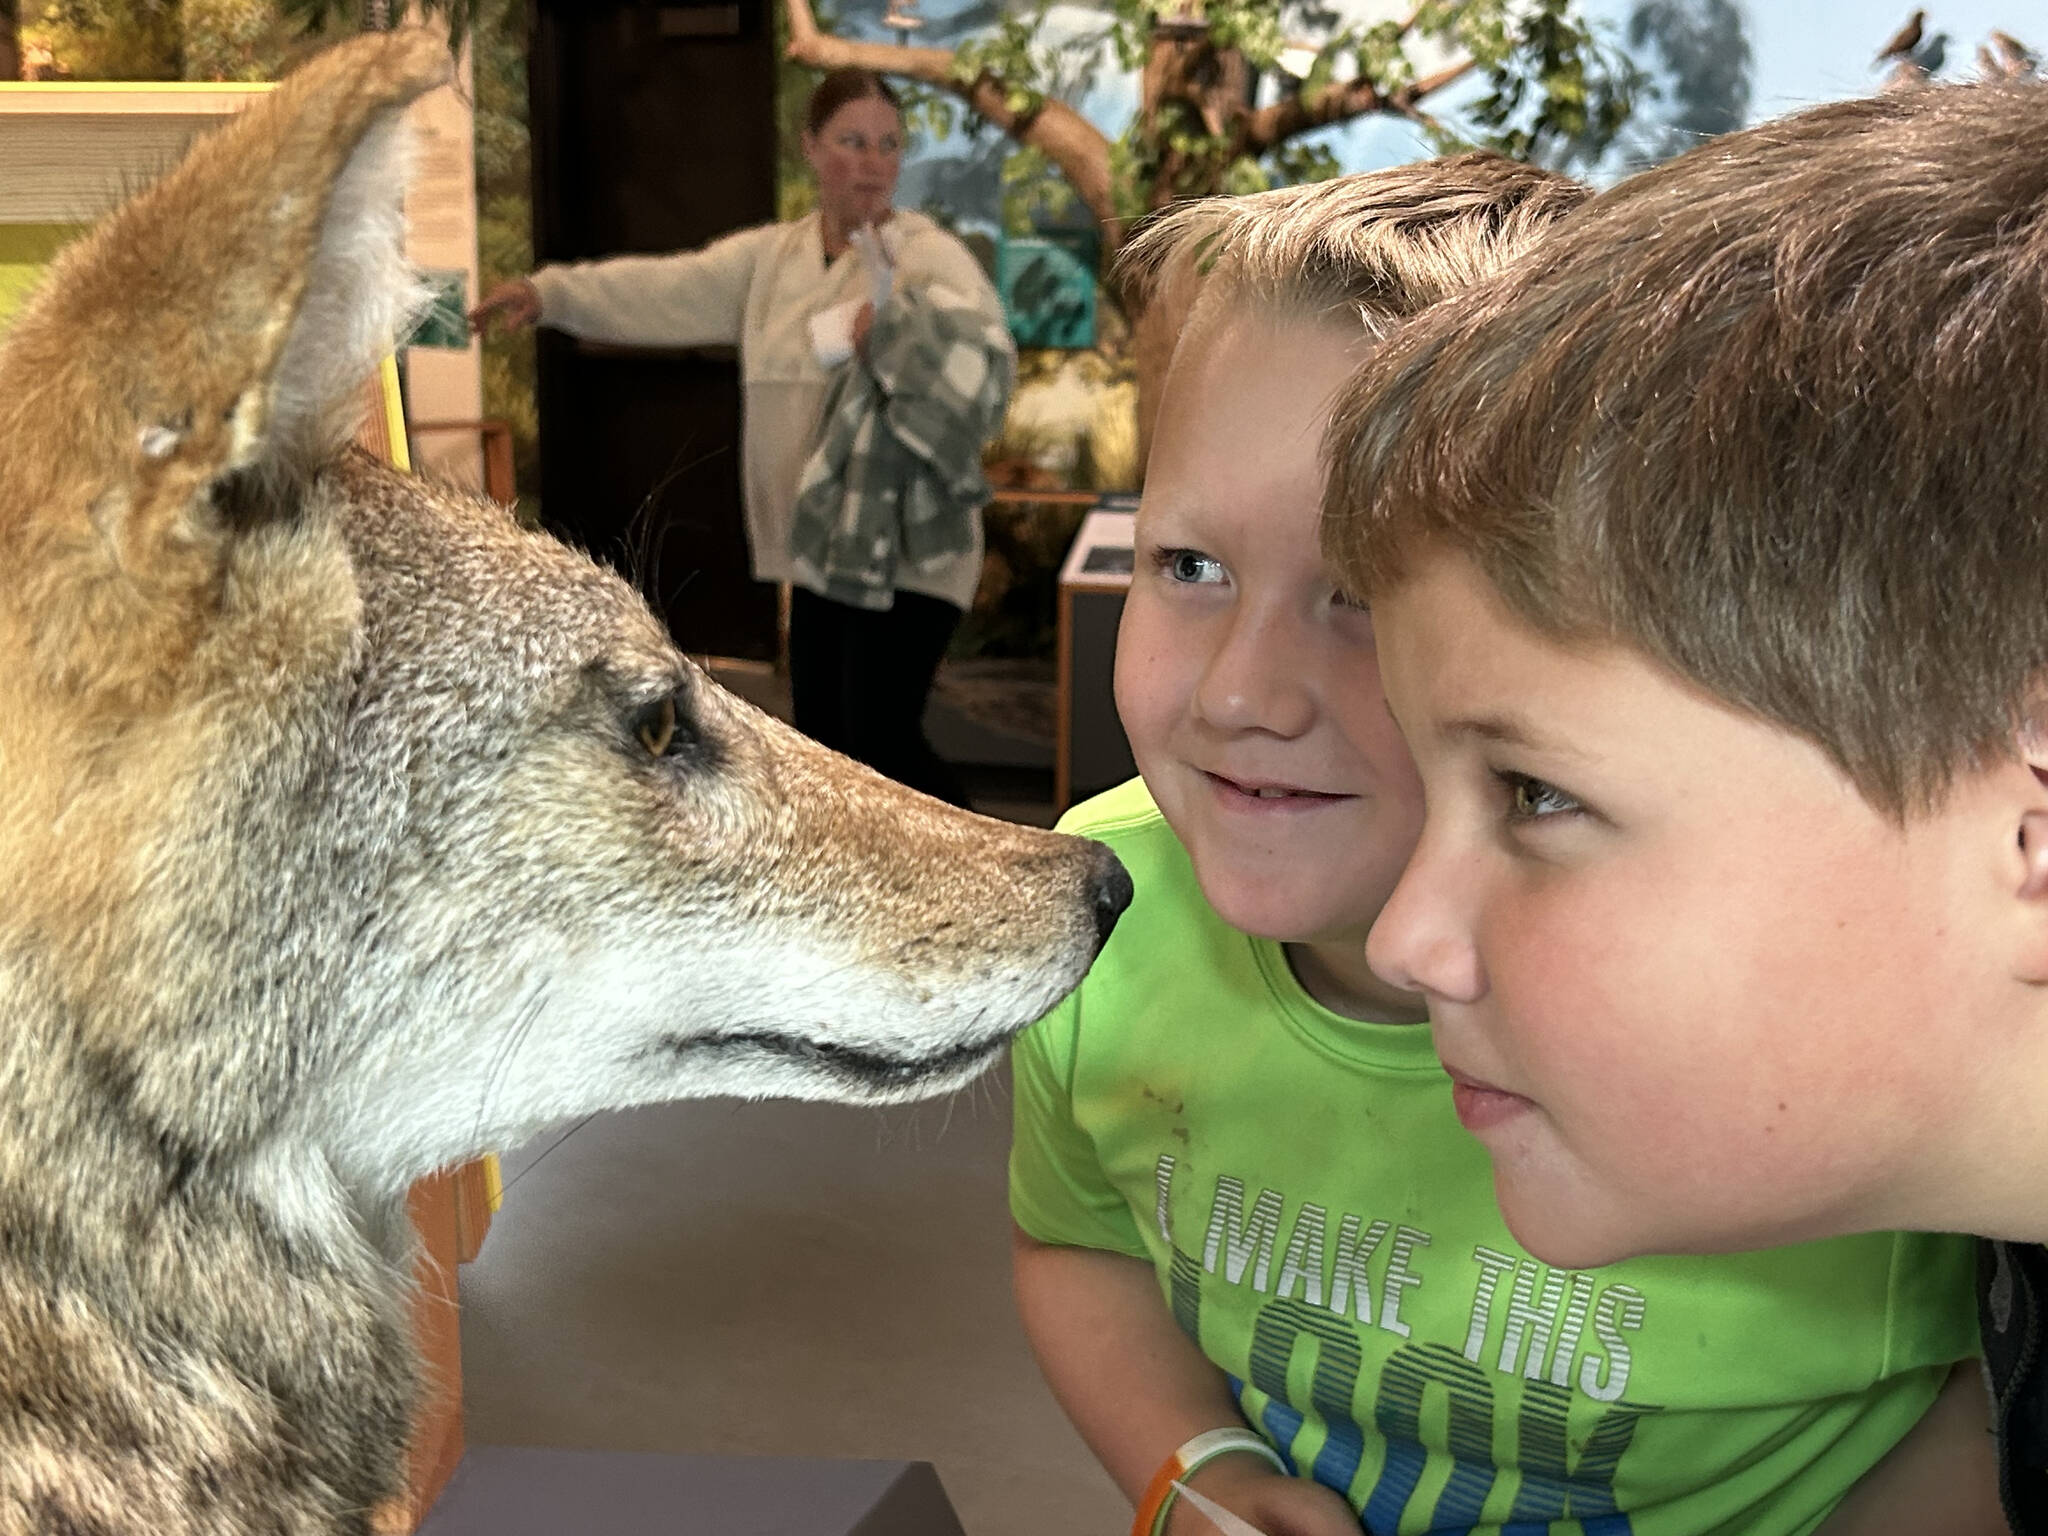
x=210 y=341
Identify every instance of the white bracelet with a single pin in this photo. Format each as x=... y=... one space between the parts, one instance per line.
x=1185 y=1462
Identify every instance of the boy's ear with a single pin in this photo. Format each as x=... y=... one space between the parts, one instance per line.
x=2032 y=841
x=185 y=366
x=2033 y=835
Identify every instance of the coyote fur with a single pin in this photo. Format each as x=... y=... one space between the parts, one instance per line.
x=348 y=829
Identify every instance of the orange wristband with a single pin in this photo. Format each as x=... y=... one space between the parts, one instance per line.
x=1204 y=1448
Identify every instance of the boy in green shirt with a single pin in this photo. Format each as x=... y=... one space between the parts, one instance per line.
x=1242 y=1196
x=1731 y=907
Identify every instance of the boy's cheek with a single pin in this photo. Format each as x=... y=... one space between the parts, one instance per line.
x=1689 y=1115
x=1145 y=681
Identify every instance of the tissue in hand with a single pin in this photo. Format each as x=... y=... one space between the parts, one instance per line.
x=876 y=257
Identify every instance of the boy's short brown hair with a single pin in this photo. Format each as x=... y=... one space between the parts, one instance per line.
x=1774 y=414
x=1379 y=246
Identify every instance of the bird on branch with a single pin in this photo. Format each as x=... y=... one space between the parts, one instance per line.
x=1917 y=62
x=1905 y=40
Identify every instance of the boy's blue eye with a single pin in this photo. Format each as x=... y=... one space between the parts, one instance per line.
x=1530 y=799
x=1189 y=566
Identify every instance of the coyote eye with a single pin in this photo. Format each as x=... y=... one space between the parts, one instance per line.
x=668 y=728
x=656 y=726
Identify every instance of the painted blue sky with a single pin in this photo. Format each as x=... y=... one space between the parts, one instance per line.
x=1802 y=51
x=1820 y=50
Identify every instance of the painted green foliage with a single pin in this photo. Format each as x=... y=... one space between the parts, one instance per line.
x=204 y=39
x=380 y=15
x=1553 y=90
x=1563 y=98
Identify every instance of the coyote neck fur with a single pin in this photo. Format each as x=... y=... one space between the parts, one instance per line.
x=250 y=1379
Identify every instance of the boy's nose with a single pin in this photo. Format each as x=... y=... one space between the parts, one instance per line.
x=1252 y=683
x=1421 y=941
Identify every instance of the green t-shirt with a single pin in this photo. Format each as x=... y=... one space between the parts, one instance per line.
x=1326 y=1231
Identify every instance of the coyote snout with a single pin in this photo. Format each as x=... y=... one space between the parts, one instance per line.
x=909 y=940
x=350 y=829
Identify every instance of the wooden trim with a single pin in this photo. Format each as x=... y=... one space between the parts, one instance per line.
x=500 y=481
x=1016 y=498
x=437 y=1433
x=156 y=98
x=437 y=1430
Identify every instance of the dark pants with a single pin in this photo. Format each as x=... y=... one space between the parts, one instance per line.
x=859 y=681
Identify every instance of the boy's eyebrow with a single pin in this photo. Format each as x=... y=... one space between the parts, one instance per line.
x=1502 y=728
x=1509 y=729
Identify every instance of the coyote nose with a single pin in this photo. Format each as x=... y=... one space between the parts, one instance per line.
x=1109 y=889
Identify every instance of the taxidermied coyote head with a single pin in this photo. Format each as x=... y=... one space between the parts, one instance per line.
x=349 y=829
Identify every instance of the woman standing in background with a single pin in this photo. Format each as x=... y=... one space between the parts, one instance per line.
x=874 y=363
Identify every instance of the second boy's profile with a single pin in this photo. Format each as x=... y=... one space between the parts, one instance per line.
x=1255 y=1248
x=1709 y=551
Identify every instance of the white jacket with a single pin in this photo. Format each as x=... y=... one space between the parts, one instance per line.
x=758 y=289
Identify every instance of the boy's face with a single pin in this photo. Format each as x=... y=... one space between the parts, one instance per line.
x=1248 y=688
x=1699 y=995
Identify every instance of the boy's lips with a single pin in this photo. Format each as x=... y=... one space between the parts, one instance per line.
x=1269 y=794
x=1480 y=1105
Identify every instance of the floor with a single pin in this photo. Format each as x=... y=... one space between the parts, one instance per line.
x=783 y=1279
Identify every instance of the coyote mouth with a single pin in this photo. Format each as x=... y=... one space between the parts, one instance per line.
x=867 y=1069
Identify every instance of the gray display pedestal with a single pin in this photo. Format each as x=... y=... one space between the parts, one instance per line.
x=529 y=1491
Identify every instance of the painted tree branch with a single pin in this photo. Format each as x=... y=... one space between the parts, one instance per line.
x=1056 y=130
x=1299 y=113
